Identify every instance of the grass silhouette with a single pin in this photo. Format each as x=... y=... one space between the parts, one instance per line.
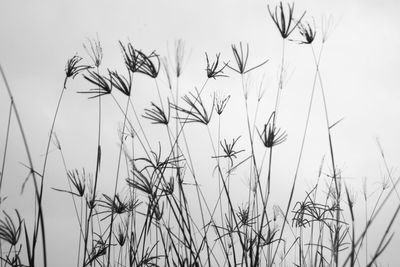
x=162 y=216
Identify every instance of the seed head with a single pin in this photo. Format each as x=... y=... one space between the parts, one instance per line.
x=137 y=61
x=272 y=136
x=157 y=114
x=120 y=82
x=94 y=50
x=212 y=69
x=72 y=68
x=283 y=20
x=103 y=85
x=220 y=103
x=9 y=231
x=196 y=111
x=241 y=58
x=179 y=56
x=307 y=32
x=229 y=150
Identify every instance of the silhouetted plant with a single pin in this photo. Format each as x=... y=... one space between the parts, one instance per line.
x=137 y=61
x=220 y=103
x=179 y=56
x=157 y=114
x=10 y=231
x=98 y=250
x=72 y=68
x=94 y=50
x=103 y=85
x=241 y=57
x=283 y=20
x=229 y=150
x=307 y=32
x=120 y=82
x=196 y=113
x=78 y=181
x=114 y=205
x=212 y=69
x=271 y=135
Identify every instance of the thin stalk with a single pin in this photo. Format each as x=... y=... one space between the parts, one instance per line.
x=301 y=149
x=372 y=219
x=229 y=200
x=116 y=180
x=277 y=101
x=97 y=170
x=79 y=218
x=5 y=146
x=336 y=252
x=32 y=172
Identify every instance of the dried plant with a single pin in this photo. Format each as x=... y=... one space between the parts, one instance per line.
x=138 y=62
x=121 y=234
x=196 y=112
x=157 y=114
x=229 y=149
x=307 y=32
x=103 y=85
x=271 y=135
x=78 y=181
x=10 y=231
x=99 y=249
x=243 y=215
x=179 y=56
x=114 y=205
x=212 y=69
x=220 y=103
x=72 y=68
x=94 y=50
x=241 y=58
x=164 y=62
x=120 y=82
x=283 y=20
x=142 y=183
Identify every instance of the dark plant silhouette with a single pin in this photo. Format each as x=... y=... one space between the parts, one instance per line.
x=241 y=56
x=197 y=111
x=285 y=21
x=307 y=32
x=73 y=68
x=138 y=62
x=120 y=82
x=212 y=69
x=103 y=85
x=271 y=135
x=157 y=114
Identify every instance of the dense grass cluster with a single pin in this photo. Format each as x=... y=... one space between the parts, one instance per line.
x=162 y=217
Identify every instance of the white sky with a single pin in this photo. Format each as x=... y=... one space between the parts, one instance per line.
x=360 y=70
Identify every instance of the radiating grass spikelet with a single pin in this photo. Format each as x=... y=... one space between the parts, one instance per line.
x=241 y=57
x=10 y=231
x=78 y=181
x=308 y=32
x=94 y=50
x=137 y=61
x=197 y=111
x=72 y=68
x=103 y=85
x=271 y=135
x=120 y=82
x=283 y=20
x=229 y=149
x=220 y=103
x=157 y=114
x=212 y=69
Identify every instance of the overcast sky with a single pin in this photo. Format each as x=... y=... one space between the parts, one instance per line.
x=360 y=68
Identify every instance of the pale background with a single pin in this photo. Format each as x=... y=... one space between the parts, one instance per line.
x=360 y=68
